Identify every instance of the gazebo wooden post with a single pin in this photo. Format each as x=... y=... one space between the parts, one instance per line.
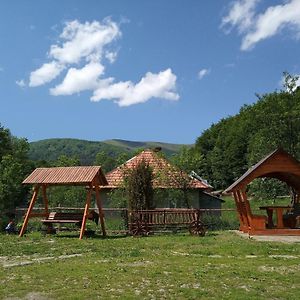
x=246 y=214
x=27 y=216
x=239 y=211
x=100 y=210
x=86 y=212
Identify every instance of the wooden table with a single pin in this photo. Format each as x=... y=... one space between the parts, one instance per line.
x=279 y=214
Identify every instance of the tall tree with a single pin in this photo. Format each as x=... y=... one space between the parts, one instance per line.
x=139 y=187
x=235 y=143
x=14 y=166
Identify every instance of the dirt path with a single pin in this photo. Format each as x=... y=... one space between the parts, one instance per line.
x=271 y=238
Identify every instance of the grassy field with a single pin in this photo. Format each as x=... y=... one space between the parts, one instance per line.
x=221 y=265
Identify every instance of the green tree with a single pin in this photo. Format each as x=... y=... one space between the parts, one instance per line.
x=104 y=160
x=66 y=161
x=66 y=195
x=14 y=166
x=139 y=187
x=122 y=158
x=188 y=160
x=232 y=145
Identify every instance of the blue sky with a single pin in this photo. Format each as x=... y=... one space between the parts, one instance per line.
x=139 y=70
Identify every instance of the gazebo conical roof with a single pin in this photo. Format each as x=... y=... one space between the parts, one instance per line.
x=279 y=164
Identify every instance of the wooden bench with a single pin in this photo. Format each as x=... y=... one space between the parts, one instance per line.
x=255 y=221
x=69 y=217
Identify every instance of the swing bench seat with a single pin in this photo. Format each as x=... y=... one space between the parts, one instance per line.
x=69 y=217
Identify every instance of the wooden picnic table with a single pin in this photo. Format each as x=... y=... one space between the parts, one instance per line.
x=279 y=214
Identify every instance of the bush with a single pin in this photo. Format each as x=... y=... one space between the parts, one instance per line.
x=227 y=221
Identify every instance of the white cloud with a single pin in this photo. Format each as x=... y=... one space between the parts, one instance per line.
x=78 y=80
x=82 y=50
x=111 y=56
x=257 y=27
x=161 y=85
x=46 y=73
x=241 y=15
x=21 y=83
x=84 y=40
x=202 y=73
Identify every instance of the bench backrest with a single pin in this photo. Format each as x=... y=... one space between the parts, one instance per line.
x=165 y=217
x=72 y=216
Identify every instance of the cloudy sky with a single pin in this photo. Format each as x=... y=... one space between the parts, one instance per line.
x=139 y=70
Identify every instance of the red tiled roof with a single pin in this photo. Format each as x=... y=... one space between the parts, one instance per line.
x=159 y=166
x=66 y=176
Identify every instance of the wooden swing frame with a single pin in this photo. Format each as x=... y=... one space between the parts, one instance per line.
x=91 y=177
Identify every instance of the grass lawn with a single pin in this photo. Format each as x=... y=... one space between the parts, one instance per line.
x=221 y=265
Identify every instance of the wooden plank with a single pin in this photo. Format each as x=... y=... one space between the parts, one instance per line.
x=34 y=215
x=60 y=221
x=100 y=210
x=27 y=216
x=85 y=214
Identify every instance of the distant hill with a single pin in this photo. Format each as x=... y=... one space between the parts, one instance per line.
x=51 y=149
x=167 y=148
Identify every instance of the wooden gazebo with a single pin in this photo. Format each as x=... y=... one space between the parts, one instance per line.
x=282 y=166
x=41 y=178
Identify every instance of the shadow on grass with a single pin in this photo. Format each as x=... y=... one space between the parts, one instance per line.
x=90 y=236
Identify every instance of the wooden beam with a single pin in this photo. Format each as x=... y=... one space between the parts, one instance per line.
x=86 y=212
x=100 y=210
x=239 y=211
x=33 y=215
x=27 y=216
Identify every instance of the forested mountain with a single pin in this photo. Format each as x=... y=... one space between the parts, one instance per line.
x=232 y=145
x=86 y=151
x=167 y=148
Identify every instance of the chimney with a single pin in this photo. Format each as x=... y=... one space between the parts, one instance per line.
x=157 y=149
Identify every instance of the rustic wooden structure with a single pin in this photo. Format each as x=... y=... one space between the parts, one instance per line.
x=142 y=222
x=166 y=177
x=41 y=178
x=279 y=165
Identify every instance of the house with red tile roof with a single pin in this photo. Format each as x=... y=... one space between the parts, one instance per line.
x=166 y=177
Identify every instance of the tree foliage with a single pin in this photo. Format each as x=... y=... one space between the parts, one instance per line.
x=14 y=166
x=232 y=145
x=67 y=196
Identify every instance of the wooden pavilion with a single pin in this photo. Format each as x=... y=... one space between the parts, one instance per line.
x=279 y=165
x=41 y=178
